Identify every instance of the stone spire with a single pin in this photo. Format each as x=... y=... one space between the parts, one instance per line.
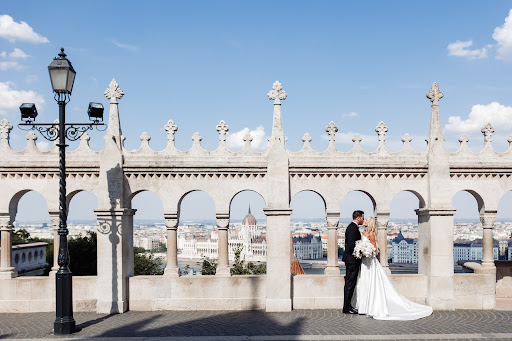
x=435 y=132
x=114 y=93
x=277 y=94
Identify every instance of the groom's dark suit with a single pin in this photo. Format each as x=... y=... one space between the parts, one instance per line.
x=352 y=264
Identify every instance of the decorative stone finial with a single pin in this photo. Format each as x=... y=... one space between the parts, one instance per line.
x=247 y=140
x=277 y=93
x=487 y=130
x=331 y=129
x=84 y=140
x=171 y=128
x=145 y=137
x=435 y=94
x=197 y=138
x=357 y=138
x=31 y=136
x=114 y=92
x=381 y=129
x=509 y=140
x=463 y=139
x=307 y=141
x=223 y=129
x=406 y=139
x=5 y=128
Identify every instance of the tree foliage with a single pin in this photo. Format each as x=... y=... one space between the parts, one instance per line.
x=241 y=268
x=209 y=267
x=83 y=254
x=145 y=263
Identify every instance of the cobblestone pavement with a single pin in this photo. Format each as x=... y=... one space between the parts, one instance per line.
x=259 y=325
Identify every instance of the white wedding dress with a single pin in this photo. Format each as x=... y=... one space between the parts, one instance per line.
x=376 y=296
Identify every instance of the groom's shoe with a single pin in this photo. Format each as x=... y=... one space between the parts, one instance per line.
x=350 y=311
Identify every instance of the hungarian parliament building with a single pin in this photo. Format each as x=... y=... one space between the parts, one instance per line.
x=250 y=238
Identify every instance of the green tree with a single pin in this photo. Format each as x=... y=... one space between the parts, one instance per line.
x=20 y=236
x=146 y=263
x=209 y=267
x=240 y=268
x=83 y=254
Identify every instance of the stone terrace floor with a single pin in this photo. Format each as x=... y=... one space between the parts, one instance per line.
x=259 y=325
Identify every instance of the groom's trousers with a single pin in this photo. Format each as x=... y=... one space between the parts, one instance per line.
x=351 y=272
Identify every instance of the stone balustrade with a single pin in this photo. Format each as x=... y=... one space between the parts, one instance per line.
x=115 y=175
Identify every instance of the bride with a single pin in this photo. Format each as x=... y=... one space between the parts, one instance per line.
x=375 y=294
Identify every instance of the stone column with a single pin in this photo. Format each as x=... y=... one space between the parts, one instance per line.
x=436 y=256
x=382 y=240
x=223 y=254
x=488 y=218
x=54 y=217
x=333 y=220
x=6 y=228
x=278 y=260
x=115 y=259
x=171 y=222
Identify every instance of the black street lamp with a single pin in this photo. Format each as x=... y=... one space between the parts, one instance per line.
x=62 y=76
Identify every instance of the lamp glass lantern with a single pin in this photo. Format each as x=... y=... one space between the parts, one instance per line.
x=62 y=74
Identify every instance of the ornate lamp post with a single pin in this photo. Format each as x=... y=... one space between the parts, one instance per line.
x=62 y=76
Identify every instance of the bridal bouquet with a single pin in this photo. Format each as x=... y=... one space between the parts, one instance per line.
x=364 y=248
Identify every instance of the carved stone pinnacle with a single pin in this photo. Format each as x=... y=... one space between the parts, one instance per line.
x=5 y=128
x=306 y=138
x=114 y=92
x=357 y=138
x=196 y=137
x=435 y=94
x=145 y=137
x=223 y=129
x=464 y=139
x=407 y=138
x=277 y=93
x=488 y=130
x=331 y=129
x=381 y=129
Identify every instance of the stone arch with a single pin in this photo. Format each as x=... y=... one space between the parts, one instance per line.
x=15 y=199
x=251 y=236
x=310 y=190
x=479 y=200
x=371 y=197
x=73 y=194
x=180 y=201
x=133 y=194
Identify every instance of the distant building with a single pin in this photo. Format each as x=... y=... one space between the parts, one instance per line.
x=405 y=250
x=509 y=250
x=308 y=247
x=472 y=250
x=250 y=238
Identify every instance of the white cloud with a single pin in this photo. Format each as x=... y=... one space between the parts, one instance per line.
x=235 y=141
x=496 y=113
x=11 y=99
x=350 y=114
x=31 y=79
x=3 y=54
x=125 y=46
x=503 y=35
x=18 y=54
x=461 y=49
x=13 y=31
x=10 y=65
x=44 y=145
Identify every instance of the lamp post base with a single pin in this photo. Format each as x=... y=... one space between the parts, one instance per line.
x=64 y=327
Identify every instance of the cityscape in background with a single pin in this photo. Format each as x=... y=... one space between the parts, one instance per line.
x=199 y=239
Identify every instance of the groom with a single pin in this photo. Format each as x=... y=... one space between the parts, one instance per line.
x=352 y=264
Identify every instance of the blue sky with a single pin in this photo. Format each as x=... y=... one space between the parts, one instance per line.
x=199 y=62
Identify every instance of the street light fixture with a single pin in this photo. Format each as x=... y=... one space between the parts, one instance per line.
x=62 y=76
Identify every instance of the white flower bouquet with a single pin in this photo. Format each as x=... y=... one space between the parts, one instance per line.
x=364 y=248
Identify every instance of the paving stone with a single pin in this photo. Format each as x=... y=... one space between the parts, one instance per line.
x=253 y=325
